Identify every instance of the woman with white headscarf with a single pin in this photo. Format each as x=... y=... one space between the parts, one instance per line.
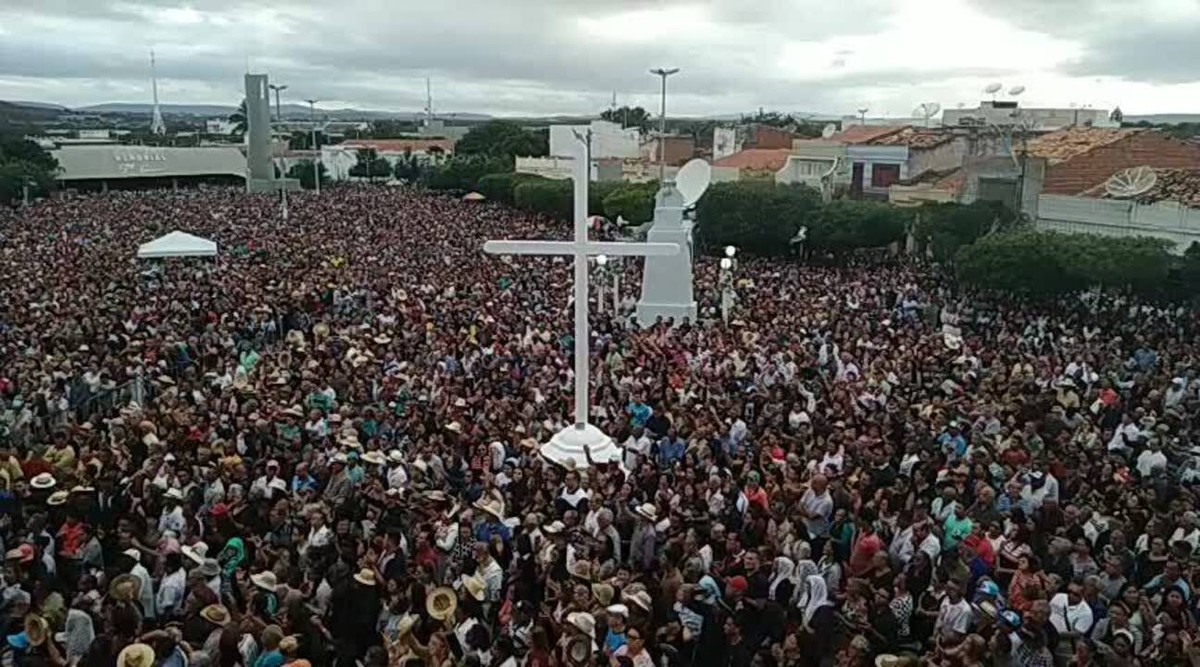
x=818 y=616
x=783 y=582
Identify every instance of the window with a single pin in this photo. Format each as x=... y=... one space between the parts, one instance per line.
x=884 y=175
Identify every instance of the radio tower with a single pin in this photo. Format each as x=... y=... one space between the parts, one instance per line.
x=157 y=126
x=428 y=103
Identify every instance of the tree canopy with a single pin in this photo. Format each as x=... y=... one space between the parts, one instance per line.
x=626 y=116
x=502 y=139
x=24 y=163
x=759 y=216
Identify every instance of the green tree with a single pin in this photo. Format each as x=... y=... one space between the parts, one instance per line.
x=626 y=116
x=772 y=118
x=238 y=118
x=1047 y=263
x=948 y=227
x=23 y=164
x=633 y=201
x=547 y=197
x=759 y=217
x=410 y=168
x=847 y=225
x=500 y=187
x=461 y=173
x=303 y=171
x=501 y=139
x=370 y=165
x=391 y=128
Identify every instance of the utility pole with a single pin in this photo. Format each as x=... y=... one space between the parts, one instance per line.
x=312 y=114
x=278 y=109
x=662 y=121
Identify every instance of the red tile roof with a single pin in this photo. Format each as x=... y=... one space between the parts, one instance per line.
x=756 y=159
x=1071 y=142
x=864 y=134
x=401 y=145
x=914 y=138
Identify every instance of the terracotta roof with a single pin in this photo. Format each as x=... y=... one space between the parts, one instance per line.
x=864 y=134
x=1179 y=185
x=401 y=145
x=914 y=138
x=1071 y=142
x=756 y=159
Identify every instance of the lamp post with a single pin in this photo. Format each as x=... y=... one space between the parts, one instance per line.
x=663 y=72
x=278 y=109
x=312 y=114
x=602 y=265
x=725 y=281
x=610 y=267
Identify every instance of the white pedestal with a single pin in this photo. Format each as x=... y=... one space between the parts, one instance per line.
x=667 y=281
x=567 y=445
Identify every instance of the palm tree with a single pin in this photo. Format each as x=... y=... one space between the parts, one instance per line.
x=238 y=118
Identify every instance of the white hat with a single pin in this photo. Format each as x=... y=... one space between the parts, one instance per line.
x=265 y=580
x=169 y=457
x=134 y=554
x=554 y=528
x=174 y=493
x=339 y=458
x=272 y=463
x=196 y=553
x=617 y=610
x=460 y=402
x=454 y=427
x=43 y=481
x=585 y=622
x=396 y=456
x=647 y=511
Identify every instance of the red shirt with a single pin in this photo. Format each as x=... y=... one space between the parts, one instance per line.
x=863 y=553
x=70 y=539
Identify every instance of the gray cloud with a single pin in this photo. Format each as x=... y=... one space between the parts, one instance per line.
x=516 y=56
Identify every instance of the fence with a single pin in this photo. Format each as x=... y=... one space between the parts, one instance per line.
x=1113 y=217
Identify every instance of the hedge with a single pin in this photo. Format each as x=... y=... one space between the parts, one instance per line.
x=758 y=217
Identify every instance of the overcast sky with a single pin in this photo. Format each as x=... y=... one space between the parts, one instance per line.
x=568 y=56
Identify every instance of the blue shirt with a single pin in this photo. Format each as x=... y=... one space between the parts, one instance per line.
x=613 y=641
x=488 y=528
x=639 y=413
x=957 y=441
x=670 y=451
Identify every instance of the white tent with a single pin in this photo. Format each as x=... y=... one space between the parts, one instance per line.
x=177 y=244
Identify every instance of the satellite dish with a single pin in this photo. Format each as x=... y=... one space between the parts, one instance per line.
x=1016 y=90
x=993 y=88
x=926 y=110
x=692 y=180
x=1130 y=182
x=829 y=130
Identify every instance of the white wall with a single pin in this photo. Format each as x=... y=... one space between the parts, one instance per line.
x=608 y=140
x=1113 y=217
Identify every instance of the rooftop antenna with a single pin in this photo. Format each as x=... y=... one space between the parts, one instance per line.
x=1015 y=91
x=927 y=110
x=157 y=126
x=862 y=114
x=692 y=180
x=428 y=102
x=992 y=89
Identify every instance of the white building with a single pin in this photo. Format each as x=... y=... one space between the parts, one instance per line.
x=220 y=126
x=1007 y=112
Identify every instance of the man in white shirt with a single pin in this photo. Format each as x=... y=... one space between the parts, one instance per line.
x=954 y=616
x=173 y=587
x=1070 y=613
x=492 y=574
x=172 y=518
x=637 y=445
x=1152 y=460
x=147 y=585
x=261 y=488
x=1126 y=431
x=816 y=506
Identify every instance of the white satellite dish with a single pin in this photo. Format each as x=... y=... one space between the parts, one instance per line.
x=829 y=130
x=993 y=88
x=926 y=110
x=1130 y=182
x=1016 y=90
x=692 y=180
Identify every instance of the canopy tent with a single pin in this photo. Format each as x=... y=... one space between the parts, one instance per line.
x=473 y=196
x=177 y=244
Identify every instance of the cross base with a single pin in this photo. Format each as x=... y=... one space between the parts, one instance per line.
x=567 y=445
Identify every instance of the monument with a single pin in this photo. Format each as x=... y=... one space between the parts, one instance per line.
x=570 y=442
x=260 y=168
x=667 y=280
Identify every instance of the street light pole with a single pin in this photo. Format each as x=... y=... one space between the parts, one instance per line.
x=278 y=109
x=725 y=281
x=312 y=113
x=663 y=72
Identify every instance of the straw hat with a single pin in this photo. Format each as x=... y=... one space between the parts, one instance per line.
x=579 y=651
x=125 y=587
x=216 y=614
x=36 y=628
x=58 y=498
x=136 y=655
x=474 y=587
x=265 y=580
x=639 y=599
x=584 y=622
x=208 y=569
x=196 y=553
x=375 y=458
x=43 y=481
x=491 y=506
x=365 y=576
x=441 y=603
x=582 y=569
x=454 y=427
x=647 y=511
x=603 y=594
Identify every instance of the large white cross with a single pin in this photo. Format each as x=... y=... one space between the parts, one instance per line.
x=580 y=248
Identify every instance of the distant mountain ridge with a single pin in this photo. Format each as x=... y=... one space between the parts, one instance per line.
x=288 y=110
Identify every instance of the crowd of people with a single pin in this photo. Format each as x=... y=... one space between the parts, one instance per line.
x=322 y=448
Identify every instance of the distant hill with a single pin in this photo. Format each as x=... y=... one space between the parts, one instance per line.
x=21 y=113
x=289 y=111
x=1165 y=118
